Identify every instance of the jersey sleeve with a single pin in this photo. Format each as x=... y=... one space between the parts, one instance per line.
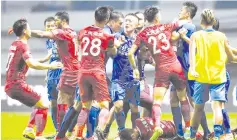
x=139 y=40
x=60 y=34
x=26 y=54
x=110 y=39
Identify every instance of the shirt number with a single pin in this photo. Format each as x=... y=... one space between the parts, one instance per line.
x=161 y=37
x=10 y=56
x=95 y=46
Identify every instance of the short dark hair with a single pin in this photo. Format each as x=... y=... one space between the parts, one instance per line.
x=216 y=25
x=191 y=8
x=132 y=14
x=116 y=15
x=150 y=13
x=19 y=26
x=102 y=13
x=111 y=8
x=63 y=16
x=49 y=19
x=128 y=134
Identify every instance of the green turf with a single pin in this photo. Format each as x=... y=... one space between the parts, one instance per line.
x=14 y=123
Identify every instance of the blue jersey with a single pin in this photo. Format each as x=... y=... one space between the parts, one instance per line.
x=184 y=56
x=53 y=74
x=122 y=70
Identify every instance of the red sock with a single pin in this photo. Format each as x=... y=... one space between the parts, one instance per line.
x=103 y=117
x=40 y=121
x=156 y=114
x=62 y=108
x=81 y=121
x=31 y=122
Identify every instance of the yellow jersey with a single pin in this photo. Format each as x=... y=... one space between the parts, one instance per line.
x=210 y=57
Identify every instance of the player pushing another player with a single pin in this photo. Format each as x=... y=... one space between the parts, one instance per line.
x=157 y=37
x=19 y=61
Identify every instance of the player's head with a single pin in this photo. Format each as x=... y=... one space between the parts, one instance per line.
x=207 y=18
x=116 y=21
x=21 y=28
x=152 y=15
x=129 y=134
x=111 y=8
x=141 y=21
x=61 y=19
x=49 y=24
x=102 y=14
x=130 y=22
x=216 y=25
x=188 y=11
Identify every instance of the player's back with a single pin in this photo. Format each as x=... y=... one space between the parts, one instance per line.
x=210 y=56
x=94 y=42
x=16 y=66
x=67 y=48
x=157 y=39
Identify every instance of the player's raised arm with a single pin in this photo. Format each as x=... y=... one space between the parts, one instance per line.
x=42 y=34
x=192 y=56
x=131 y=59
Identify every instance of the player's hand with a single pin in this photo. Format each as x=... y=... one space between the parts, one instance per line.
x=194 y=73
x=56 y=65
x=118 y=42
x=136 y=74
x=183 y=32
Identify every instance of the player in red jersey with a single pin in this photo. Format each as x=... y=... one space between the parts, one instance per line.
x=67 y=45
x=157 y=37
x=94 y=42
x=19 y=61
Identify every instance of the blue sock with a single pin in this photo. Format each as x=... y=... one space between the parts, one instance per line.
x=177 y=118
x=120 y=119
x=218 y=130
x=67 y=120
x=92 y=121
x=226 y=121
x=53 y=111
x=193 y=132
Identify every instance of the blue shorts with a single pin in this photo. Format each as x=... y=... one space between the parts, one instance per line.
x=77 y=94
x=201 y=92
x=129 y=92
x=52 y=89
x=227 y=85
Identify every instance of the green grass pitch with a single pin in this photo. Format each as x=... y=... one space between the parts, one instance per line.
x=13 y=124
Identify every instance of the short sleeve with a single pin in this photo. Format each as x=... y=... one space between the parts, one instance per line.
x=26 y=54
x=110 y=39
x=138 y=40
x=60 y=34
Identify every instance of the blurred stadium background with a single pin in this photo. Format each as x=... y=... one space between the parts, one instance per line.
x=82 y=14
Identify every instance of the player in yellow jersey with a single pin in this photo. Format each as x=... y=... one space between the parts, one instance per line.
x=208 y=56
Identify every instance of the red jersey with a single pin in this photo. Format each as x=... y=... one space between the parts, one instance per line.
x=94 y=42
x=157 y=39
x=67 y=48
x=145 y=127
x=16 y=67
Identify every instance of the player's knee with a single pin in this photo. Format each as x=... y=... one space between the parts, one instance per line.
x=77 y=105
x=174 y=103
x=134 y=108
x=182 y=94
x=104 y=104
x=118 y=106
x=42 y=104
x=86 y=105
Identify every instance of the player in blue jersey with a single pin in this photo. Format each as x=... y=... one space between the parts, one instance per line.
x=188 y=11
x=52 y=77
x=124 y=87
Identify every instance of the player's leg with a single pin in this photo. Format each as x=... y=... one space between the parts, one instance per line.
x=77 y=107
x=92 y=119
x=117 y=96
x=218 y=98
x=109 y=122
x=26 y=95
x=133 y=98
x=53 y=96
x=176 y=112
x=146 y=100
x=200 y=97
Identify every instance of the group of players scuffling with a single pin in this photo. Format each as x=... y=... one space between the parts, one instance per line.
x=81 y=94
